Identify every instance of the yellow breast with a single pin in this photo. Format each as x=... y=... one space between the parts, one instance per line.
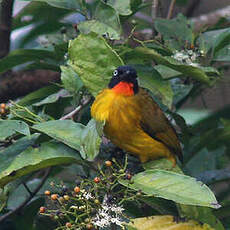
x=122 y=115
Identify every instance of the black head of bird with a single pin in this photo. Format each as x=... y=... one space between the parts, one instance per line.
x=124 y=74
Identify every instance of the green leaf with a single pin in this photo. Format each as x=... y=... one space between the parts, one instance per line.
x=176 y=32
x=166 y=72
x=90 y=141
x=33 y=159
x=223 y=54
x=202 y=214
x=10 y=127
x=70 y=79
x=99 y=28
x=38 y=95
x=212 y=176
x=65 y=4
x=65 y=131
x=8 y=154
x=93 y=60
x=204 y=160
x=187 y=70
x=39 y=13
x=19 y=194
x=222 y=40
x=104 y=11
x=152 y=80
x=110 y=27
x=21 y=56
x=53 y=98
x=121 y=6
x=162 y=164
x=180 y=91
x=214 y=39
x=173 y=186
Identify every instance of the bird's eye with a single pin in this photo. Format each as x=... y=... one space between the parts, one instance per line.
x=115 y=73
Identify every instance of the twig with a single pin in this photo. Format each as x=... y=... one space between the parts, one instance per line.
x=5 y=26
x=171 y=7
x=77 y=110
x=154 y=9
x=3 y=217
x=192 y=7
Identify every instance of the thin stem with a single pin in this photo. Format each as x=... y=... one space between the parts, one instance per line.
x=27 y=188
x=22 y=205
x=171 y=7
x=77 y=110
x=24 y=118
x=27 y=110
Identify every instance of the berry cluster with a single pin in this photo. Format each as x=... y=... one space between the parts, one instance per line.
x=92 y=203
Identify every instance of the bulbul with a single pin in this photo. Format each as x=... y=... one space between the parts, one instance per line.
x=133 y=120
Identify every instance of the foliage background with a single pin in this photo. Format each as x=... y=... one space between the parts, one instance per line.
x=134 y=32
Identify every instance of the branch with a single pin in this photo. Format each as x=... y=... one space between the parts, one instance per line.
x=18 y=84
x=171 y=7
x=5 y=26
x=77 y=110
x=3 y=217
x=210 y=18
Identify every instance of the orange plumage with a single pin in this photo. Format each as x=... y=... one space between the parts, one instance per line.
x=133 y=120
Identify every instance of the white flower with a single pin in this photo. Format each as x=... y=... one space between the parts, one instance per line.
x=117 y=209
x=107 y=215
x=88 y=195
x=101 y=222
x=116 y=221
x=186 y=56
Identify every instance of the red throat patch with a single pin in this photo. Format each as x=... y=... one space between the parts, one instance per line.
x=124 y=88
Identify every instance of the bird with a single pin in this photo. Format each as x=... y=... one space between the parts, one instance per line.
x=133 y=121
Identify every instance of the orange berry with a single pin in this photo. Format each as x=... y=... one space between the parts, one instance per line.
x=66 y=197
x=2 y=111
x=2 y=106
x=89 y=226
x=108 y=163
x=77 y=189
x=42 y=209
x=192 y=46
x=54 y=196
x=68 y=225
x=47 y=192
x=97 y=180
x=128 y=176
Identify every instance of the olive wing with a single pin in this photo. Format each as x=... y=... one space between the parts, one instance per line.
x=155 y=123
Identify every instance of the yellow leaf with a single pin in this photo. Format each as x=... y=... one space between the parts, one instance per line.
x=166 y=223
